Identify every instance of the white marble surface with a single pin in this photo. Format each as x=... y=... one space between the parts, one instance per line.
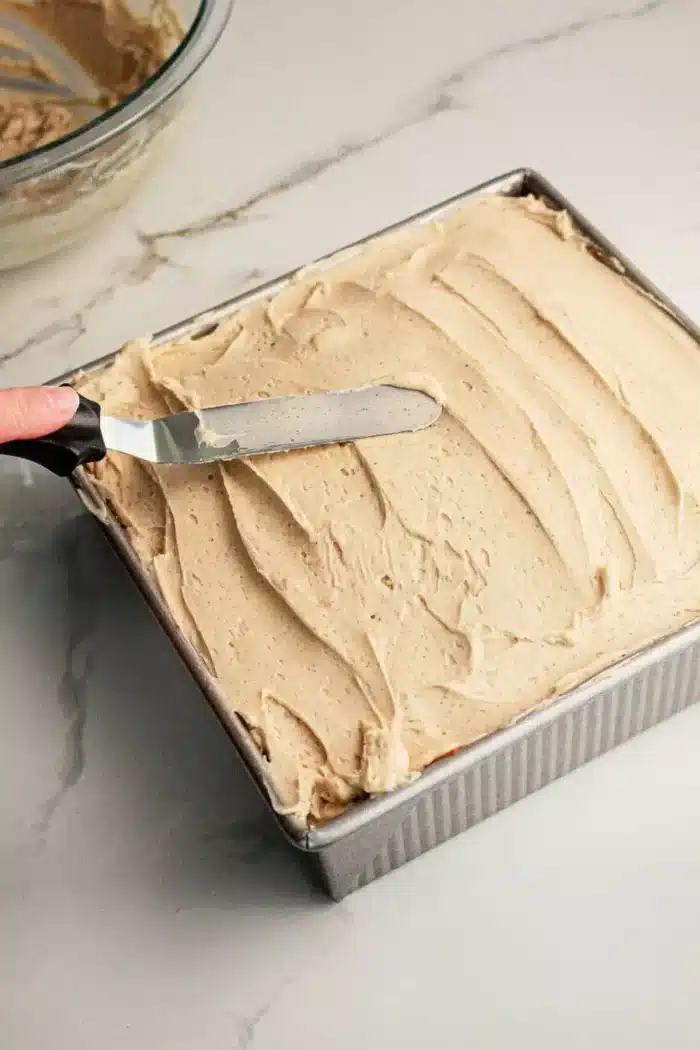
x=143 y=904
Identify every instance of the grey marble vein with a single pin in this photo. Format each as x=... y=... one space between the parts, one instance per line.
x=72 y=692
x=72 y=697
x=247 y=1035
x=438 y=98
x=73 y=326
x=343 y=921
x=148 y=261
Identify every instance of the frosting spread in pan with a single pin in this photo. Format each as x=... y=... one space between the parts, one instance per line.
x=368 y=608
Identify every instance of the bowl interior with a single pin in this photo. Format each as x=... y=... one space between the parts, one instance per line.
x=177 y=22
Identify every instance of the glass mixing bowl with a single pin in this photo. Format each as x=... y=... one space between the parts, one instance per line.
x=50 y=196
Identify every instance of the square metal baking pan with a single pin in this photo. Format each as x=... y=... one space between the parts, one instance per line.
x=380 y=834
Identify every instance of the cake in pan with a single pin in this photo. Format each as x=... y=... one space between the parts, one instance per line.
x=370 y=607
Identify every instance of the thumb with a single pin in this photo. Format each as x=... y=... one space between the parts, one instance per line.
x=31 y=412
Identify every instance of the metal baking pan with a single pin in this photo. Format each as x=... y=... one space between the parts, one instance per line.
x=380 y=834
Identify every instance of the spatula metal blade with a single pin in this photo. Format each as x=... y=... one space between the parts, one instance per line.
x=273 y=425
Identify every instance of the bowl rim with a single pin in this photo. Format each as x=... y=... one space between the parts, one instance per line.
x=207 y=26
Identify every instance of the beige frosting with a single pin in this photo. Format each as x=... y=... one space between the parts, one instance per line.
x=370 y=607
x=117 y=50
x=28 y=123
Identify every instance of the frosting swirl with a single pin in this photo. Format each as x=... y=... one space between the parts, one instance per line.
x=370 y=607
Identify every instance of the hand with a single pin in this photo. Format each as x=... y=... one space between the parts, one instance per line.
x=32 y=412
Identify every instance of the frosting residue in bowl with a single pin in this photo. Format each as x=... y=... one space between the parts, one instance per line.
x=111 y=51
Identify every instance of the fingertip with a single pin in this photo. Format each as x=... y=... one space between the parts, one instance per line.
x=32 y=412
x=63 y=401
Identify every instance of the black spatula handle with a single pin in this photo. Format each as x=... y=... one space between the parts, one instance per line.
x=78 y=442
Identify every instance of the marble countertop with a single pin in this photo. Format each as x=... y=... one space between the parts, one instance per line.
x=144 y=901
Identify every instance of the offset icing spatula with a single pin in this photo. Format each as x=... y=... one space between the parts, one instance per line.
x=276 y=424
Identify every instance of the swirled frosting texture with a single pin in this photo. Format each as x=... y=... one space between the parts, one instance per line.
x=368 y=608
